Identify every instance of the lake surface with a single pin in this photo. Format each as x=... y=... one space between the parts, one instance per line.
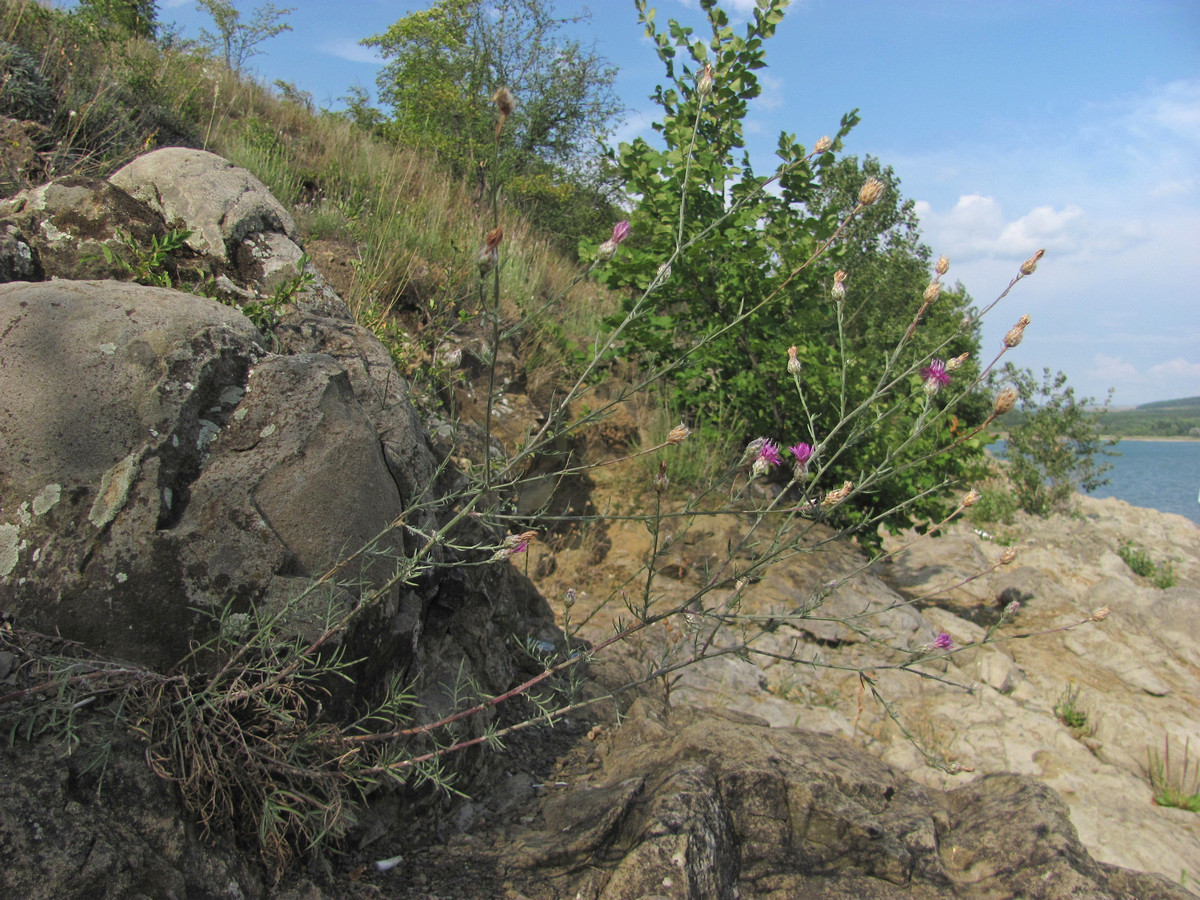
x=1162 y=475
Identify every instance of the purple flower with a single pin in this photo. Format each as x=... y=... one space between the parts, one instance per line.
x=769 y=453
x=935 y=376
x=942 y=642
x=608 y=249
x=803 y=453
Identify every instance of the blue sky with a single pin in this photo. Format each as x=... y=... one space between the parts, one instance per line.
x=1072 y=125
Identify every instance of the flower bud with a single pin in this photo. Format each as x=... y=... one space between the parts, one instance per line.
x=956 y=363
x=1005 y=401
x=660 y=480
x=839 y=289
x=570 y=598
x=1099 y=614
x=793 y=365
x=943 y=265
x=1030 y=265
x=871 y=192
x=822 y=145
x=704 y=84
x=932 y=292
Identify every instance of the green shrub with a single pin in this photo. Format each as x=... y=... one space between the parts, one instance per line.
x=1162 y=574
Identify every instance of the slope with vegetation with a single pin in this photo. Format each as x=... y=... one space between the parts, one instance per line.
x=761 y=309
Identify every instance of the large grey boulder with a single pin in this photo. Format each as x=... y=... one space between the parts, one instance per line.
x=221 y=203
x=156 y=461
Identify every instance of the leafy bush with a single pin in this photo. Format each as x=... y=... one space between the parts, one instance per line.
x=738 y=276
x=1057 y=447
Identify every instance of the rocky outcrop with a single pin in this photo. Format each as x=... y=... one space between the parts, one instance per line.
x=719 y=804
x=1135 y=672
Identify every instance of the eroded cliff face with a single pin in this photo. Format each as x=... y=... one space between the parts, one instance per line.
x=160 y=457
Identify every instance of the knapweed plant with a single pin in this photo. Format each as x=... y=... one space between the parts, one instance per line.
x=757 y=301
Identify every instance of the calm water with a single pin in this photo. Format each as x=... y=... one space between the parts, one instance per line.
x=1163 y=475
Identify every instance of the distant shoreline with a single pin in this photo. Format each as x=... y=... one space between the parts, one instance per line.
x=1176 y=439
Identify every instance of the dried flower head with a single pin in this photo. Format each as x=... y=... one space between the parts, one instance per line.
x=793 y=365
x=935 y=376
x=823 y=145
x=1004 y=402
x=932 y=292
x=1099 y=614
x=1030 y=265
x=704 y=84
x=678 y=434
x=956 y=363
x=504 y=100
x=943 y=265
x=1014 y=335
x=970 y=499
x=871 y=192
x=1012 y=609
x=1007 y=557
x=838 y=495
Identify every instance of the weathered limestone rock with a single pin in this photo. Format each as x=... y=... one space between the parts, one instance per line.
x=221 y=203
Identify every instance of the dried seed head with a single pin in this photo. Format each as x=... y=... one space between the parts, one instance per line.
x=823 y=145
x=704 y=84
x=871 y=192
x=1099 y=614
x=793 y=365
x=678 y=434
x=943 y=265
x=1005 y=401
x=1016 y=332
x=932 y=292
x=837 y=496
x=505 y=101
x=1006 y=558
x=956 y=363
x=1030 y=265
x=494 y=237
x=970 y=499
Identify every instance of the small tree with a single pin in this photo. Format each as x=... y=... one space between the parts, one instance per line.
x=138 y=18
x=236 y=41
x=1055 y=447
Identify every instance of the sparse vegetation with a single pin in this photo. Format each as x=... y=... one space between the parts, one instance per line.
x=239 y=724
x=1162 y=574
x=1179 y=789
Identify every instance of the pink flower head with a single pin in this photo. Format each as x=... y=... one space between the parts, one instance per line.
x=803 y=453
x=942 y=642
x=935 y=376
x=608 y=249
x=769 y=453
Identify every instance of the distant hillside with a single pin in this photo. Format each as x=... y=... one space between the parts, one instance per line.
x=1188 y=403
x=1166 y=418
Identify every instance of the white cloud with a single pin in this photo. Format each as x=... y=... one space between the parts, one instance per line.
x=1178 y=368
x=1111 y=368
x=976 y=227
x=352 y=51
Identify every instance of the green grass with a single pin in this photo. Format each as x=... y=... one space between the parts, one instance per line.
x=1162 y=574
x=1179 y=790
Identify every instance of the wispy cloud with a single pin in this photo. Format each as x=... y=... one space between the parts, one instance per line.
x=352 y=51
